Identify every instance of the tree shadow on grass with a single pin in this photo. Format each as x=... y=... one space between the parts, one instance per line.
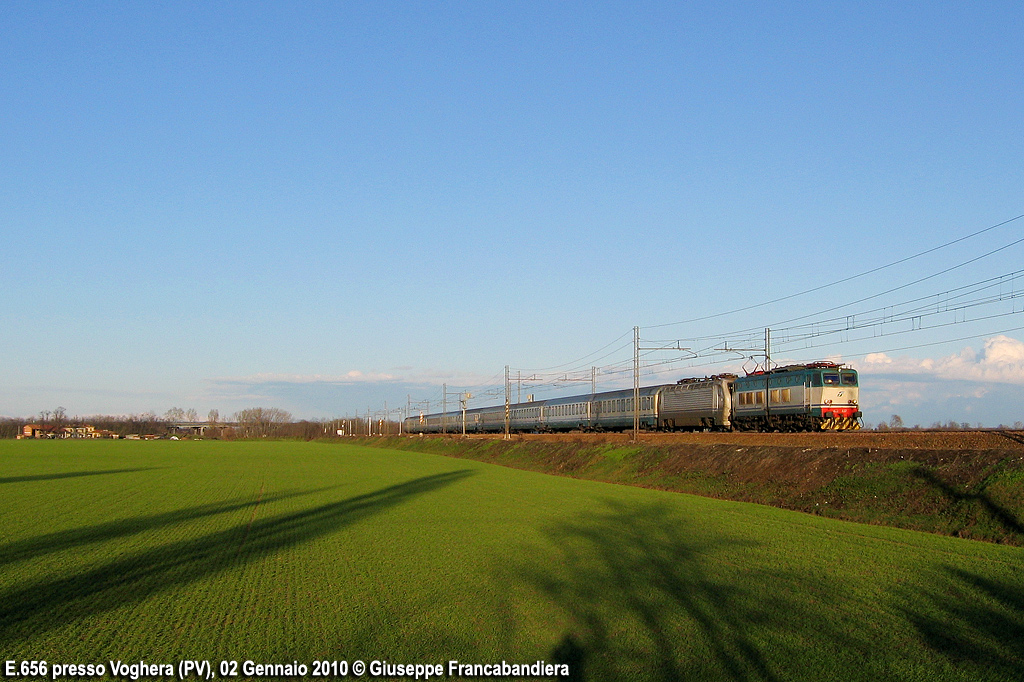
x=644 y=600
x=73 y=538
x=974 y=621
x=27 y=611
x=1009 y=523
x=69 y=474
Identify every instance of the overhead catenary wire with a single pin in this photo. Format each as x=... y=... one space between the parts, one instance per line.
x=845 y=279
x=752 y=330
x=779 y=324
x=545 y=380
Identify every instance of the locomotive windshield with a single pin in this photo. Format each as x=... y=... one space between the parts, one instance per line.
x=849 y=379
x=830 y=378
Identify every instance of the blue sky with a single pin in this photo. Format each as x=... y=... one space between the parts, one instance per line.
x=326 y=206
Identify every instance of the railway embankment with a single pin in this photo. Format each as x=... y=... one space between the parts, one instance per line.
x=963 y=484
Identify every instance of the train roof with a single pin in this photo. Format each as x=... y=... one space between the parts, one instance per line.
x=713 y=377
x=564 y=400
x=821 y=364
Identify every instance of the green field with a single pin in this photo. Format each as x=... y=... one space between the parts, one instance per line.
x=282 y=551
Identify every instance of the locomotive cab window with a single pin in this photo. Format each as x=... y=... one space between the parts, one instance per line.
x=849 y=379
x=830 y=378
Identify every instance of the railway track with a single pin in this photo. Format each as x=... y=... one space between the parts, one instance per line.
x=884 y=440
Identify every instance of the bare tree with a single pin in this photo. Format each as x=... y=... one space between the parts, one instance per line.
x=175 y=414
x=895 y=422
x=260 y=422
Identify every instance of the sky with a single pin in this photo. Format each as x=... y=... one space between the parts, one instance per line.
x=332 y=207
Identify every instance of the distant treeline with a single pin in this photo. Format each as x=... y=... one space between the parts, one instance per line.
x=896 y=423
x=255 y=422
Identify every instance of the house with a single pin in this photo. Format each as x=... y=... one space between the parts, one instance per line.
x=38 y=431
x=80 y=431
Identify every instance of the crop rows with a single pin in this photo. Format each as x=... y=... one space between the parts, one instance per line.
x=280 y=551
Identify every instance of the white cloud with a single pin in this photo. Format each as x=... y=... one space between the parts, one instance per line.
x=330 y=395
x=1001 y=361
x=355 y=376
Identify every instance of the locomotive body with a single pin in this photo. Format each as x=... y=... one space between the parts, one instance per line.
x=813 y=397
x=697 y=404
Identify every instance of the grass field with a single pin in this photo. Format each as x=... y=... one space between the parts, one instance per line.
x=282 y=551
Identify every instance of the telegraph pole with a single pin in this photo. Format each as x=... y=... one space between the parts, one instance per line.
x=463 y=399
x=636 y=376
x=444 y=418
x=767 y=380
x=444 y=408
x=636 y=383
x=508 y=406
x=767 y=368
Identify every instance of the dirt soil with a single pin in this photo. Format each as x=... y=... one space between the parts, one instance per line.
x=882 y=440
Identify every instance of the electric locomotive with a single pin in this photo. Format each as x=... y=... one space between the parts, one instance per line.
x=813 y=397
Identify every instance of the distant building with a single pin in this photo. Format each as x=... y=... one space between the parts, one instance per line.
x=38 y=431
x=81 y=431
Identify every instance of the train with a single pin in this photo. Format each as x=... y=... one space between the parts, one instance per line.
x=818 y=396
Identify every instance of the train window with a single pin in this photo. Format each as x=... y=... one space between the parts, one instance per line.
x=849 y=379
x=759 y=397
x=830 y=378
x=774 y=396
x=786 y=395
